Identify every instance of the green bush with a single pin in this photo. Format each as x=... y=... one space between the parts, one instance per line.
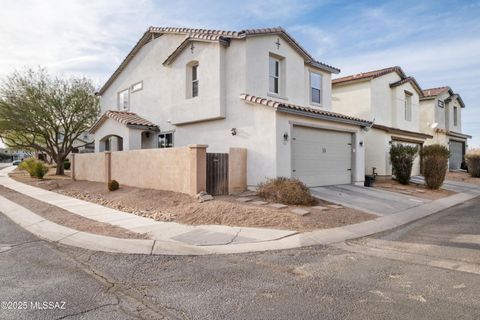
x=28 y=165
x=472 y=158
x=435 y=164
x=66 y=164
x=113 y=185
x=40 y=169
x=286 y=190
x=34 y=167
x=402 y=157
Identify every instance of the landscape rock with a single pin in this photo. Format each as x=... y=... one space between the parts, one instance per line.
x=300 y=211
x=278 y=205
x=259 y=203
x=320 y=208
x=335 y=206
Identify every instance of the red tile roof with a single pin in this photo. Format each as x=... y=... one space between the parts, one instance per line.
x=209 y=34
x=412 y=81
x=282 y=106
x=369 y=75
x=433 y=92
x=125 y=118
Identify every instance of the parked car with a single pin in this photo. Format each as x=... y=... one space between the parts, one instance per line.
x=16 y=162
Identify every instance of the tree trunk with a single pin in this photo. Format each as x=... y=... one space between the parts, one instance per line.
x=60 y=170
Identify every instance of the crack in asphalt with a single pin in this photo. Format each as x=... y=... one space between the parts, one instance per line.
x=9 y=247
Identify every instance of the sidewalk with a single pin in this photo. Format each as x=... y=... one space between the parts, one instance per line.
x=177 y=239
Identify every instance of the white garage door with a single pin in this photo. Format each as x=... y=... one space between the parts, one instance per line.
x=456 y=155
x=321 y=157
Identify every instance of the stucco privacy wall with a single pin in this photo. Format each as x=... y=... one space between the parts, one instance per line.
x=89 y=166
x=176 y=169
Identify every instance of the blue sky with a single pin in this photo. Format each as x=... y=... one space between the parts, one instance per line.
x=437 y=42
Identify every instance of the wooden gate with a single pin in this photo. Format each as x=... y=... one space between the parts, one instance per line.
x=217 y=173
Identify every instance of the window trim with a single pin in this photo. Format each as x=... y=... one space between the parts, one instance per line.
x=277 y=77
x=408 y=108
x=320 y=103
x=195 y=81
x=121 y=107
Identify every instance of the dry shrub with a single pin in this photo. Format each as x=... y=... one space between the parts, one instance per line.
x=113 y=185
x=435 y=165
x=34 y=167
x=472 y=158
x=286 y=190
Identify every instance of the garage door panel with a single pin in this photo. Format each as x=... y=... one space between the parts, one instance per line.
x=456 y=154
x=321 y=157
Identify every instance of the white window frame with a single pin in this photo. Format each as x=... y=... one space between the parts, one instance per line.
x=319 y=103
x=165 y=134
x=195 y=81
x=408 y=106
x=123 y=105
x=276 y=76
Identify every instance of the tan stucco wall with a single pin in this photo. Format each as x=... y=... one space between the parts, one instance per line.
x=237 y=170
x=89 y=166
x=176 y=169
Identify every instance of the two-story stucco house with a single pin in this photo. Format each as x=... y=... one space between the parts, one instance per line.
x=390 y=99
x=256 y=89
x=441 y=117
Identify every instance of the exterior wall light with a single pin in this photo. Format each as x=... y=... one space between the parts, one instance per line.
x=361 y=143
x=285 y=136
x=233 y=131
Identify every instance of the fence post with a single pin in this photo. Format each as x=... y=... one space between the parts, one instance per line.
x=108 y=166
x=73 y=167
x=198 y=168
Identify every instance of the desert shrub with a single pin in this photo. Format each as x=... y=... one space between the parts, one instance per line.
x=34 y=167
x=286 y=191
x=28 y=165
x=402 y=157
x=113 y=185
x=472 y=158
x=40 y=169
x=435 y=164
x=66 y=164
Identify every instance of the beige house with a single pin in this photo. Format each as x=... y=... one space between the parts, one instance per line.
x=441 y=117
x=256 y=89
x=391 y=100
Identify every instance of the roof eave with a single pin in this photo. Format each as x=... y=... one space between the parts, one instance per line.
x=361 y=123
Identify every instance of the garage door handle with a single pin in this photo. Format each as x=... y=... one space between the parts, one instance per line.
x=349 y=169
x=294 y=170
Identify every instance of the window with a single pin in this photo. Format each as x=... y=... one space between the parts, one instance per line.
x=165 y=140
x=137 y=86
x=455 y=116
x=441 y=104
x=195 y=80
x=274 y=76
x=408 y=106
x=124 y=99
x=315 y=88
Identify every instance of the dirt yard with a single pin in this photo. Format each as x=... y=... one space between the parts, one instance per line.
x=416 y=190
x=67 y=219
x=462 y=177
x=182 y=208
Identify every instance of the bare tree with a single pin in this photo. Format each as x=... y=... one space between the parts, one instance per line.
x=46 y=114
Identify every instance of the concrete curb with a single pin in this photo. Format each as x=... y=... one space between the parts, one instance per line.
x=56 y=233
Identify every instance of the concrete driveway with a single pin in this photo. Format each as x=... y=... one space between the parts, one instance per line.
x=450 y=185
x=369 y=200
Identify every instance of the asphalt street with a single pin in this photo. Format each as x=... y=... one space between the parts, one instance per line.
x=426 y=270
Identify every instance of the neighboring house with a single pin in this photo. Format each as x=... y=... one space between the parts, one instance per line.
x=441 y=117
x=257 y=89
x=15 y=154
x=390 y=99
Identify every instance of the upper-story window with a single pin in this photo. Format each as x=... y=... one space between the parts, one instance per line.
x=455 y=116
x=165 y=140
x=441 y=104
x=195 y=80
x=192 y=80
x=124 y=99
x=315 y=88
x=274 y=75
x=408 y=106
